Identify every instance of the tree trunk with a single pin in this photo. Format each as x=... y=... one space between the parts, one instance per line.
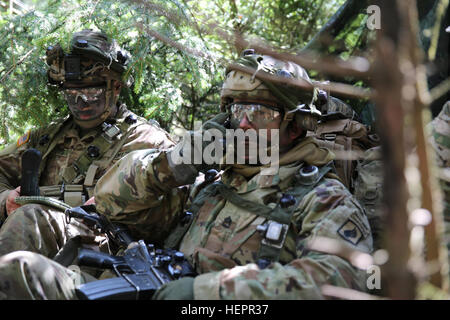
x=402 y=98
x=388 y=82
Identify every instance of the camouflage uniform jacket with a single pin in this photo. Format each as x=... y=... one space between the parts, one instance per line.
x=222 y=241
x=61 y=145
x=439 y=138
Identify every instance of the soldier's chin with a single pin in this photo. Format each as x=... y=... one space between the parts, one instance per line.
x=88 y=123
x=251 y=160
x=248 y=157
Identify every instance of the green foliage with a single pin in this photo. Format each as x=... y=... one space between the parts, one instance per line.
x=179 y=50
x=159 y=70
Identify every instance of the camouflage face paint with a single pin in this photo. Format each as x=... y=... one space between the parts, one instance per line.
x=86 y=103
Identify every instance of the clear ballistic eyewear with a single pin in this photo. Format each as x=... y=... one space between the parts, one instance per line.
x=75 y=95
x=257 y=114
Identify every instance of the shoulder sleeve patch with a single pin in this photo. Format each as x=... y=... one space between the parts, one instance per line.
x=24 y=139
x=350 y=232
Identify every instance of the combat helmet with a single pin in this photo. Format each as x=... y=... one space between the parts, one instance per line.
x=333 y=108
x=264 y=77
x=92 y=60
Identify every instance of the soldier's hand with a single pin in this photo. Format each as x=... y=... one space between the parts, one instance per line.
x=218 y=123
x=11 y=205
x=189 y=156
x=181 y=289
x=90 y=201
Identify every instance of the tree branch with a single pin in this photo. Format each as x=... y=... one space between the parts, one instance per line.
x=337 y=22
x=16 y=65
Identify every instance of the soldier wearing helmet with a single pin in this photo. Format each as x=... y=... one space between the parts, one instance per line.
x=439 y=135
x=77 y=150
x=247 y=234
x=89 y=76
x=273 y=81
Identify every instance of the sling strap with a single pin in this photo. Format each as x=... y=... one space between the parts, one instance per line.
x=71 y=191
x=102 y=143
x=278 y=219
x=275 y=230
x=206 y=190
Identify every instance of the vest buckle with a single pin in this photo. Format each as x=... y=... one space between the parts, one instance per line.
x=274 y=233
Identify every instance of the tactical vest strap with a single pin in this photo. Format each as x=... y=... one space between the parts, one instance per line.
x=101 y=144
x=230 y=195
x=208 y=190
x=53 y=136
x=278 y=218
x=276 y=214
x=71 y=194
x=98 y=148
x=71 y=191
x=275 y=230
x=90 y=175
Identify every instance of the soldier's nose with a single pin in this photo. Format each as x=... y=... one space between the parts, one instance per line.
x=245 y=123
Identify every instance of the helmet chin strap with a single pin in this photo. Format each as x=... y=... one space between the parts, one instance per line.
x=288 y=117
x=110 y=108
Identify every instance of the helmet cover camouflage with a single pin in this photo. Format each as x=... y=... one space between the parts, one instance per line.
x=297 y=102
x=92 y=60
x=335 y=108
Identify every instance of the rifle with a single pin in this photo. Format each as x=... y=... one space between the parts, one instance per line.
x=141 y=270
x=115 y=232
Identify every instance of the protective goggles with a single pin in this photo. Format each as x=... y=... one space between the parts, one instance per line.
x=257 y=114
x=88 y=95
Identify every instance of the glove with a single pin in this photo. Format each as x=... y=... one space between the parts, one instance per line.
x=184 y=172
x=181 y=289
x=218 y=122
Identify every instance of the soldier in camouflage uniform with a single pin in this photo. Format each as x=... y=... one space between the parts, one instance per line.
x=76 y=150
x=246 y=233
x=440 y=142
x=358 y=160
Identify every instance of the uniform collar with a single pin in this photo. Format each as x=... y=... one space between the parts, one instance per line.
x=73 y=128
x=281 y=178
